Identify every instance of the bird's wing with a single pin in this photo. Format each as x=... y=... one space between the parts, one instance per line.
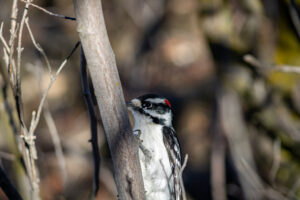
x=174 y=153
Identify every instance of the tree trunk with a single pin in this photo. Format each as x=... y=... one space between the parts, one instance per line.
x=105 y=78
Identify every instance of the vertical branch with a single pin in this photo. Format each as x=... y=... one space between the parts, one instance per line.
x=27 y=145
x=17 y=88
x=93 y=121
x=110 y=99
x=56 y=142
x=13 y=30
x=236 y=132
x=218 y=181
x=218 y=153
x=8 y=108
x=13 y=21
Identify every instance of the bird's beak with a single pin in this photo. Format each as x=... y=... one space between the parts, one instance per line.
x=134 y=103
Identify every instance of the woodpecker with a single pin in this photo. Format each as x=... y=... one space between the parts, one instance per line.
x=159 y=152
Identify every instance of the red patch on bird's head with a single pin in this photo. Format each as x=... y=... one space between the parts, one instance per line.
x=168 y=102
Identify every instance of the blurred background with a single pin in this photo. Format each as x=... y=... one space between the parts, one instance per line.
x=219 y=62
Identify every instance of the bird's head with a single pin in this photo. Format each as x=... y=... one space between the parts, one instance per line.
x=151 y=108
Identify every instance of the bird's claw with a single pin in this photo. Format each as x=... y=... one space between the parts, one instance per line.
x=138 y=135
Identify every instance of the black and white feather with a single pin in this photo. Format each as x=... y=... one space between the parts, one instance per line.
x=162 y=163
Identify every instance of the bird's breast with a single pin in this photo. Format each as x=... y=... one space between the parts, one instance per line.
x=156 y=169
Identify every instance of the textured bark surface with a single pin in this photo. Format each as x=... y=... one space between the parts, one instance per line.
x=106 y=82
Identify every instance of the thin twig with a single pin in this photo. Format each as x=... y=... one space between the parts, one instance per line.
x=261 y=66
x=178 y=180
x=35 y=120
x=56 y=142
x=13 y=22
x=181 y=179
x=218 y=182
x=10 y=63
x=19 y=48
x=30 y=137
x=17 y=89
x=48 y=12
x=28 y=149
x=47 y=115
x=13 y=34
x=166 y=175
x=287 y=69
x=9 y=110
x=93 y=121
x=37 y=46
x=6 y=48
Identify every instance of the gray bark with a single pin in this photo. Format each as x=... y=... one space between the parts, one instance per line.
x=105 y=78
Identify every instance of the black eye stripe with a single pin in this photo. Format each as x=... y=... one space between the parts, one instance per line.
x=155 y=120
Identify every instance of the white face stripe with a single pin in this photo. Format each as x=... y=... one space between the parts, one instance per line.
x=156 y=100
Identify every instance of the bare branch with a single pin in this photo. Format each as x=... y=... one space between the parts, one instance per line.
x=7 y=104
x=17 y=84
x=253 y=61
x=288 y=69
x=236 y=131
x=36 y=118
x=6 y=48
x=218 y=180
x=179 y=173
x=261 y=66
x=93 y=121
x=13 y=22
x=19 y=48
x=37 y=46
x=56 y=142
x=28 y=149
x=48 y=12
x=47 y=115
x=13 y=34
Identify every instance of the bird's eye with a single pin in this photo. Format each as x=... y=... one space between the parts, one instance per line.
x=147 y=105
